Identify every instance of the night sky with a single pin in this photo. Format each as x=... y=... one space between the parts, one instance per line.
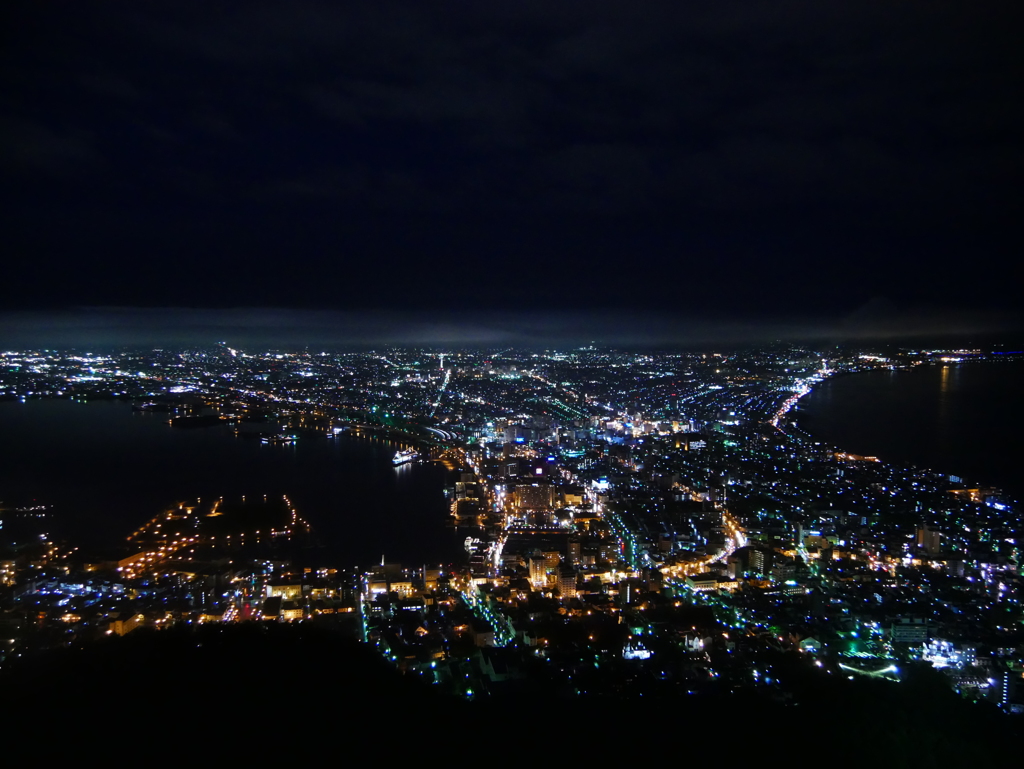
x=489 y=172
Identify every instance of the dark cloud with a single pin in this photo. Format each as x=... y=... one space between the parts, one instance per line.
x=750 y=103
x=529 y=151
x=32 y=148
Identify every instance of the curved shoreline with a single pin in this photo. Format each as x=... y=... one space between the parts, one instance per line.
x=970 y=478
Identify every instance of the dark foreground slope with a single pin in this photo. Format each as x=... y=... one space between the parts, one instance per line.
x=275 y=691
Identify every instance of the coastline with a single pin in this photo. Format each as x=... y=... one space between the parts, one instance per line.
x=825 y=423
x=348 y=489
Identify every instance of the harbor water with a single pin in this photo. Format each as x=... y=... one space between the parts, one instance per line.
x=962 y=419
x=106 y=469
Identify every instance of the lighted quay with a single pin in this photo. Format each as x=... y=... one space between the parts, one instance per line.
x=633 y=523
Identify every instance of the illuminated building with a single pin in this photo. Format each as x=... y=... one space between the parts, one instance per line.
x=928 y=540
x=404 y=588
x=538 y=571
x=123 y=626
x=286 y=591
x=6 y=572
x=567 y=581
x=535 y=496
x=708 y=582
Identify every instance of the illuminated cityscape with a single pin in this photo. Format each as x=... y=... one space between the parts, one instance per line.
x=633 y=523
x=550 y=382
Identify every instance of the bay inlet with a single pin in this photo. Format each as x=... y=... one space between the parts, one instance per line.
x=106 y=470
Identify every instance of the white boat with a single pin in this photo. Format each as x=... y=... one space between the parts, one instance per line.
x=406 y=455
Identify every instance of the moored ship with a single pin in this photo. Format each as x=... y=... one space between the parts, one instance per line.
x=406 y=455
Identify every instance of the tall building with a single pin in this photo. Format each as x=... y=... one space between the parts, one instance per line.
x=928 y=540
x=567 y=581
x=538 y=570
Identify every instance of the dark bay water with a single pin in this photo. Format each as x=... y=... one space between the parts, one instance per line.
x=965 y=419
x=107 y=469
